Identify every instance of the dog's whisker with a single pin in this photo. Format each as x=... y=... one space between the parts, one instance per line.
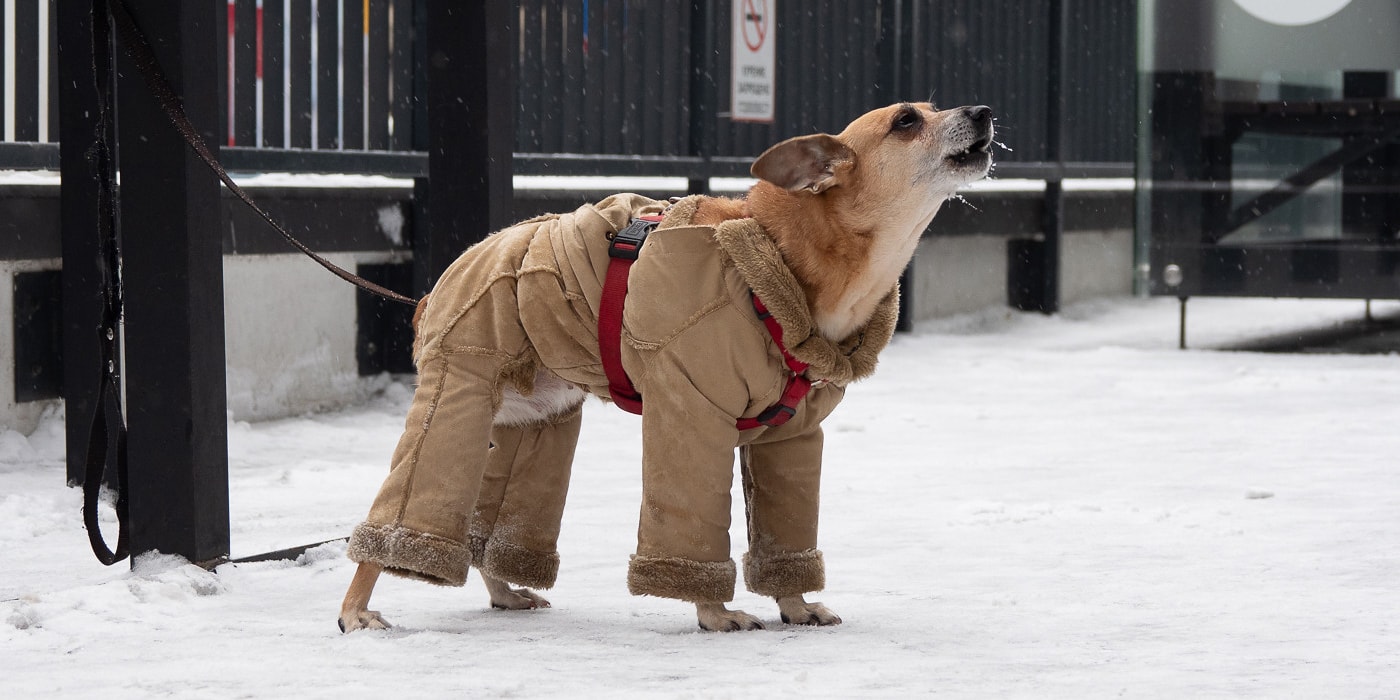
x=1004 y=147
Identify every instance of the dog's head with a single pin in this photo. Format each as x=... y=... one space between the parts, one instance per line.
x=847 y=211
x=893 y=156
x=927 y=149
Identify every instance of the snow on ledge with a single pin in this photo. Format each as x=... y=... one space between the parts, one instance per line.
x=538 y=183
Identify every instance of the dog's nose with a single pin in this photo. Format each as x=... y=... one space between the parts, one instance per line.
x=978 y=113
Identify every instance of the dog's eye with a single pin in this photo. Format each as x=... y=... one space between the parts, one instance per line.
x=906 y=119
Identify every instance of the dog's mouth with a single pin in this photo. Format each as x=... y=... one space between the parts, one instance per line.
x=976 y=152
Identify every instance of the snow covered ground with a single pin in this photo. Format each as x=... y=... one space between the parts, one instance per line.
x=1014 y=506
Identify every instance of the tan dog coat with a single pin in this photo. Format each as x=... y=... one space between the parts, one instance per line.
x=527 y=299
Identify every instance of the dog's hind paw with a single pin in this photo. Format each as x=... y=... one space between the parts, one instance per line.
x=797 y=611
x=518 y=599
x=504 y=597
x=714 y=617
x=363 y=620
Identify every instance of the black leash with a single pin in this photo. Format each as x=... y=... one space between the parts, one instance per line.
x=106 y=14
x=139 y=49
x=109 y=390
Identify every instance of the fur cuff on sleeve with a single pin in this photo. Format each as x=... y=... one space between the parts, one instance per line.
x=519 y=565
x=682 y=579
x=411 y=554
x=792 y=573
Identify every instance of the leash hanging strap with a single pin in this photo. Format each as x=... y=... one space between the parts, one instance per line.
x=109 y=264
x=139 y=49
x=92 y=477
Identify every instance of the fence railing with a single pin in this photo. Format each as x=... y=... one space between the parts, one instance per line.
x=622 y=86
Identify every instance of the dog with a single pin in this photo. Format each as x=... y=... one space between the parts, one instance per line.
x=759 y=306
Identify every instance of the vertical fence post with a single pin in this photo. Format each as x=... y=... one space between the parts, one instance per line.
x=300 y=81
x=173 y=273
x=274 y=59
x=1053 y=216
x=324 y=84
x=471 y=102
x=353 y=39
x=704 y=97
x=244 y=76
x=26 y=71
x=895 y=57
x=894 y=52
x=6 y=118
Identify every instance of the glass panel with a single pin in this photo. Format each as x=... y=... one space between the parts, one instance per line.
x=1269 y=160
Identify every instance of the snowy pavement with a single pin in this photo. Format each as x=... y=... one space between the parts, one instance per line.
x=1014 y=506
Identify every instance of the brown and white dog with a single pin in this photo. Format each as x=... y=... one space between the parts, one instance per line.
x=842 y=215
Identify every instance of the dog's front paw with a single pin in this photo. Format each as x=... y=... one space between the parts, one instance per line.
x=795 y=610
x=363 y=620
x=714 y=617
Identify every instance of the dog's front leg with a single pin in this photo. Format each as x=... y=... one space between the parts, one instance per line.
x=714 y=617
x=354 y=611
x=781 y=485
x=795 y=610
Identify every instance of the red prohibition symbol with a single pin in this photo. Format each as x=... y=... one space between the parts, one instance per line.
x=755 y=23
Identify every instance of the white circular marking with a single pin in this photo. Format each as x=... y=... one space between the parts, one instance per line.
x=1292 y=13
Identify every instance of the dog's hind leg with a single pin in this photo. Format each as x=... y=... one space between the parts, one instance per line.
x=515 y=526
x=354 y=611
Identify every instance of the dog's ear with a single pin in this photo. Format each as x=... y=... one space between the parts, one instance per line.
x=803 y=163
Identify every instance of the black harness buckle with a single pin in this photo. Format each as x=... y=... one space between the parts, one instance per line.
x=627 y=243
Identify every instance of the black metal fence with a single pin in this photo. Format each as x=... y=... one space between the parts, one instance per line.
x=28 y=84
x=613 y=76
x=380 y=86
x=333 y=74
x=640 y=82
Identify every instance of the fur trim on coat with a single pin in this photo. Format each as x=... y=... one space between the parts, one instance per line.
x=410 y=553
x=791 y=573
x=519 y=565
x=682 y=579
x=757 y=258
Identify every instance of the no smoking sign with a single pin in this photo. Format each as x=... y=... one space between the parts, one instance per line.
x=751 y=84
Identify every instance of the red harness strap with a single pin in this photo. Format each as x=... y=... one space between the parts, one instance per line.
x=625 y=247
x=798 y=383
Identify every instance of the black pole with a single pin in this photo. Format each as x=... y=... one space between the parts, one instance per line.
x=173 y=271
x=1181 y=326
x=894 y=56
x=424 y=274
x=704 y=93
x=471 y=112
x=1053 y=215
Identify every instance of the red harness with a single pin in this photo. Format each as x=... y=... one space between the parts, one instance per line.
x=623 y=251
